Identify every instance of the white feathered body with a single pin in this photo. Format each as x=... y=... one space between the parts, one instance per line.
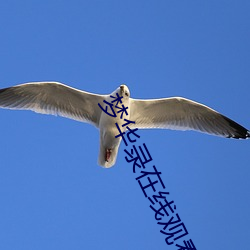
x=108 y=131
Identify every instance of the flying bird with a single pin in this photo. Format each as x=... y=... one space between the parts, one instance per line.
x=176 y=113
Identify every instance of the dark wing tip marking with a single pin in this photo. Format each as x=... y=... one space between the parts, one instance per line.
x=239 y=131
x=248 y=134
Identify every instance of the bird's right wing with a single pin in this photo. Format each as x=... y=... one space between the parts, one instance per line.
x=182 y=114
x=53 y=98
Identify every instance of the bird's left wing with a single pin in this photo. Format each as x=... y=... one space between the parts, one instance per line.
x=182 y=114
x=53 y=98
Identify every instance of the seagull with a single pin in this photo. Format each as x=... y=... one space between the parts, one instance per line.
x=175 y=113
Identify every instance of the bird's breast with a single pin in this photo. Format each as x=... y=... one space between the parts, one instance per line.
x=109 y=129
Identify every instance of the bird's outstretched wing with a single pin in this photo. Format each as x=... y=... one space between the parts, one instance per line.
x=53 y=98
x=182 y=114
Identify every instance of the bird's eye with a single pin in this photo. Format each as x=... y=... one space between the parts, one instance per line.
x=126 y=93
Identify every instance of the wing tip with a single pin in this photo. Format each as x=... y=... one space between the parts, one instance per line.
x=239 y=131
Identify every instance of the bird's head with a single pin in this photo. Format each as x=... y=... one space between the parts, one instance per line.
x=124 y=91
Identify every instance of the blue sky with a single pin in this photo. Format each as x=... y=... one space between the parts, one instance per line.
x=53 y=194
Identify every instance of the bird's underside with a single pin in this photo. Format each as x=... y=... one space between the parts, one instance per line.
x=167 y=113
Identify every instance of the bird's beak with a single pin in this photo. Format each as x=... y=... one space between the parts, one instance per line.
x=122 y=89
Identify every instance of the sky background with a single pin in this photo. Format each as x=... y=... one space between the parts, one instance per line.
x=53 y=195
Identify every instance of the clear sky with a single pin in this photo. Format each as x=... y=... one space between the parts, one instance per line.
x=53 y=194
